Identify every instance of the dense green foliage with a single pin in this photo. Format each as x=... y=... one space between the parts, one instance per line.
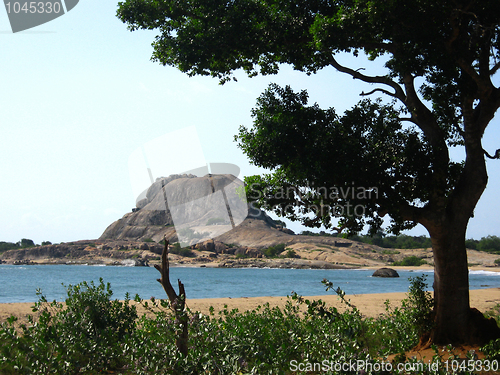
x=274 y=251
x=86 y=336
x=94 y=334
x=396 y=242
x=24 y=243
x=490 y=244
x=410 y=261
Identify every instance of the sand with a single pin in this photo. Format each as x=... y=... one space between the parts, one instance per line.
x=370 y=305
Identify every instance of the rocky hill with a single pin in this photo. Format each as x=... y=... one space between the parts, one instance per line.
x=199 y=207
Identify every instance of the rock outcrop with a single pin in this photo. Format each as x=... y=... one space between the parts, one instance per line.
x=202 y=209
x=385 y=272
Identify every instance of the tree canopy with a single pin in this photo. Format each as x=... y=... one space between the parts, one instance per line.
x=450 y=46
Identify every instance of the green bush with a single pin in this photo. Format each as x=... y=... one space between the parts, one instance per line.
x=410 y=261
x=274 y=251
x=291 y=254
x=182 y=251
x=86 y=335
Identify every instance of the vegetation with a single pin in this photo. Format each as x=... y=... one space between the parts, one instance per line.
x=183 y=251
x=291 y=254
x=93 y=334
x=274 y=251
x=321 y=233
x=396 y=242
x=280 y=222
x=24 y=243
x=389 y=159
x=490 y=244
x=86 y=335
x=410 y=261
x=403 y=241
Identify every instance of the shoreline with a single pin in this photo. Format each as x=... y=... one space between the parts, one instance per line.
x=272 y=264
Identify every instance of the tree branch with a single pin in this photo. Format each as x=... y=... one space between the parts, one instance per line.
x=484 y=86
x=398 y=91
x=178 y=302
x=378 y=89
x=496 y=156
x=495 y=68
x=164 y=270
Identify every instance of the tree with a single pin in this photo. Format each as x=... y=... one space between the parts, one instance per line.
x=25 y=242
x=441 y=57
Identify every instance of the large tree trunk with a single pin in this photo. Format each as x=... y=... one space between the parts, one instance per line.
x=456 y=322
x=451 y=286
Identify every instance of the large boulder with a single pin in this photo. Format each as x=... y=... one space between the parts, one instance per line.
x=199 y=207
x=385 y=272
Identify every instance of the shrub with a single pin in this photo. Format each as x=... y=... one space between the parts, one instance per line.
x=291 y=254
x=148 y=240
x=182 y=251
x=273 y=251
x=410 y=261
x=85 y=336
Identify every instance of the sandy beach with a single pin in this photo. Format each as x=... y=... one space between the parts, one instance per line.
x=370 y=305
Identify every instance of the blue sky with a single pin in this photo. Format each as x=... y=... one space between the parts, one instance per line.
x=79 y=94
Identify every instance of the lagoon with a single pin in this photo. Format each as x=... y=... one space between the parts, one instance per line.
x=19 y=283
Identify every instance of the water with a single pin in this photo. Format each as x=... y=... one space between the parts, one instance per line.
x=19 y=283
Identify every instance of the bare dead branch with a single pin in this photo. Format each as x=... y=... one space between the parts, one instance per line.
x=375 y=90
x=178 y=302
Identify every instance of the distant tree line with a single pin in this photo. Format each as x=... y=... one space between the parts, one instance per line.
x=24 y=243
x=490 y=244
x=402 y=241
